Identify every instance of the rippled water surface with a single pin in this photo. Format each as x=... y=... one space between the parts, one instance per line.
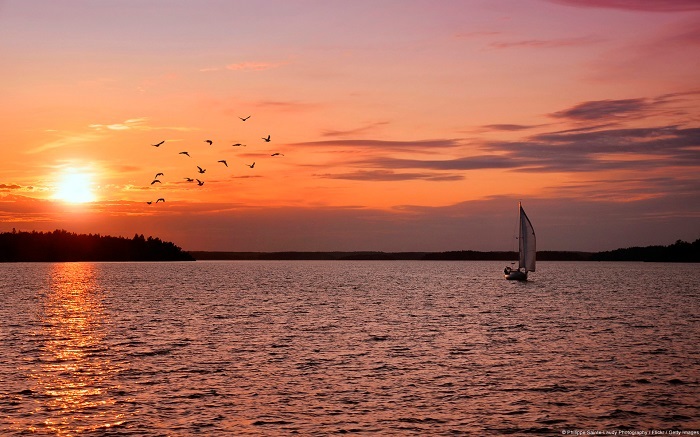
x=370 y=348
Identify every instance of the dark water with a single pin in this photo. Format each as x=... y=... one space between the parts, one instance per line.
x=368 y=348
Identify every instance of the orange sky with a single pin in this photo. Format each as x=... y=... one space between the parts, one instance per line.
x=404 y=125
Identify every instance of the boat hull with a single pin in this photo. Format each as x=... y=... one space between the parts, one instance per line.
x=516 y=275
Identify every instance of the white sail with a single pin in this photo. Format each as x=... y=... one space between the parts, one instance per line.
x=526 y=237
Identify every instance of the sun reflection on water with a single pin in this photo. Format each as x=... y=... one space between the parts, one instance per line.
x=75 y=379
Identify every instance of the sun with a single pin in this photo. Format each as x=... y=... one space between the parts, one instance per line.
x=75 y=187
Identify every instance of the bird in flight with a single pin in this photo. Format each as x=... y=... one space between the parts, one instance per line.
x=149 y=202
x=158 y=174
x=208 y=141
x=267 y=140
x=277 y=154
x=200 y=183
x=158 y=145
x=156 y=180
x=201 y=170
x=237 y=145
x=223 y=161
x=251 y=165
x=184 y=153
x=160 y=200
x=189 y=179
x=244 y=118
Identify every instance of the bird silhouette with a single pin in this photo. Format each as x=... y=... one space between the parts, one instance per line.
x=149 y=202
x=237 y=145
x=184 y=153
x=267 y=140
x=189 y=179
x=158 y=174
x=208 y=141
x=223 y=161
x=200 y=183
x=201 y=170
x=158 y=145
x=244 y=119
x=160 y=200
x=156 y=180
x=277 y=154
x=251 y=165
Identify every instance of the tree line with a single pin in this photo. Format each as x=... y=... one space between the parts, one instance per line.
x=61 y=245
x=680 y=251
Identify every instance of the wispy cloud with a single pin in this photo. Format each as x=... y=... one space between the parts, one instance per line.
x=509 y=127
x=391 y=176
x=546 y=43
x=9 y=187
x=254 y=66
x=356 y=131
x=477 y=34
x=479 y=162
x=676 y=97
x=607 y=149
x=415 y=145
x=246 y=66
x=683 y=35
x=605 y=109
x=133 y=123
x=97 y=131
x=285 y=105
x=637 y=149
x=636 y=5
x=679 y=104
x=598 y=142
x=626 y=188
x=67 y=139
x=656 y=50
x=137 y=124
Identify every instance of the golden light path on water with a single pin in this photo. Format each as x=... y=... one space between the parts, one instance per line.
x=74 y=370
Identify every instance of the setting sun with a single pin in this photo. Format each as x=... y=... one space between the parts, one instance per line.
x=75 y=187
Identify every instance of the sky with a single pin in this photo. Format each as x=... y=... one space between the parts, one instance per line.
x=399 y=125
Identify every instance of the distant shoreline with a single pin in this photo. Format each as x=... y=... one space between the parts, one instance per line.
x=64 y=246
x=678 y=252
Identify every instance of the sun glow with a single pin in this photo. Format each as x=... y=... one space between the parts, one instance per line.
x=75 y=187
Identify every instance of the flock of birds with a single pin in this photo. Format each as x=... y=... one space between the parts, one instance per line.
x=203 y=170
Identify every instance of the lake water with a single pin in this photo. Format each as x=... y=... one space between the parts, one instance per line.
x=367 y=348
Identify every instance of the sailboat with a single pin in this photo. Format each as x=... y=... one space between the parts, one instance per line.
x=526 y=249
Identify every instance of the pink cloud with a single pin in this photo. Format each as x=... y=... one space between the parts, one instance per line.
x=354 y=132
x=477 y=34
x=667 y=46
x=636 y=5
x=546 y=43
x=605 y=109
x=253 y=66
x=688 y=34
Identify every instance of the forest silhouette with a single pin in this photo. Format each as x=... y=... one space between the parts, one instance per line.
x=61 y=245
x=680 y=251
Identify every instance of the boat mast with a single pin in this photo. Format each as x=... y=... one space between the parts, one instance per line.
x=527 y=242
x=521 y=262
x=515 y=235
